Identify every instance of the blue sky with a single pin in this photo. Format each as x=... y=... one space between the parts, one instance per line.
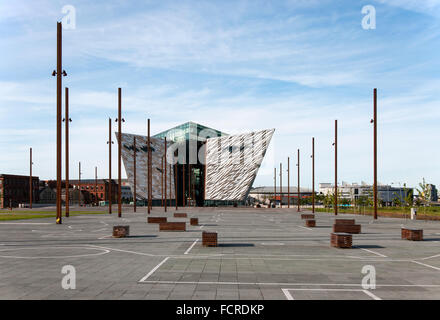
x=232 y=65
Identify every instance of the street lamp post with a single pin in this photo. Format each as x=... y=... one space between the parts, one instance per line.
x=281 y=185
x=79 y=184
x=299 y=188
x=67 y=120
x=96 y=186
x=110 y=142
x=58 y=73
x=134 y=174
x=30 y=178
x=313 y=175
x=275 y=186
x=119 y=120
x=374 y=121
x=288 y=182
x=336 y=168
x=165 y=168
x=149 y=167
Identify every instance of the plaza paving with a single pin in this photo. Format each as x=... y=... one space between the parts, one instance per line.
x=262 y=254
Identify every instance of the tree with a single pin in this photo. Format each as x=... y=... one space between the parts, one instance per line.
x=328 y=200
x=424 y=192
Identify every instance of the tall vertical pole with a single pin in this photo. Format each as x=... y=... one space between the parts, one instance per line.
x=30 y=179
x=134 y=173
x=96 y=186
x=288 y=182
x=165 y=168
x=161 y=181
x=275 y=186
x=110 y=142
x=375 y=153
x=119 y=154
x=194 y=190
x=313 y=175
x=175 y=185
x=170 y=192
x=59 y=98
x=79 y=184
x=281 y=185
x=299 y=187
x=183 y=188
x=67 y=119
x=149 y=166
x=189 y=180
x=336 y=168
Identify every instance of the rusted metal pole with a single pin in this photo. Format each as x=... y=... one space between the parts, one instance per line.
x=110 y=142
x=165 y=168
x=288 y=182
x=119 y=154
x=134 y=173
x=149 y=166
x=161 y=180
x=299 y=187
x=336 y=168
x=175 y=185
x=194 y=189
x=375 y=153
x=96 y=186
x=275 y=186
x=67 y=119
x=170 y=192
x=79 y=184
x=58 y=120
x=183 y=185
x=189 y=180
x=313 y=175
x=30 y=179
x=281 y=185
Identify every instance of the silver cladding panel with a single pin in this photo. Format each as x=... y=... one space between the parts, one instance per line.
x=232 y=163
x=157 y=150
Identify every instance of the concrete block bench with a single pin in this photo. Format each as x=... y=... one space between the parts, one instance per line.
x=347 y=228
x=121 y=231
x=194 y=221
x=307 y=216
x=412 y=234
x=310 y=222
x=172 y=226
x=180 y=215
x=344 y=221
x=340 y=240
x=157 y=219
x=209 y=239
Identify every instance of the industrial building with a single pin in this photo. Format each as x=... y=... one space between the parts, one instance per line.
x=14 y=190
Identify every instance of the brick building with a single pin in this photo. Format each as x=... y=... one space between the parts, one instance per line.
x=14 y=189
x=92 y=193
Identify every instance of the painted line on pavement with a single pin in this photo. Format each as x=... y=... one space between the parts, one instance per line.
x=153 y=270
x=189 y=249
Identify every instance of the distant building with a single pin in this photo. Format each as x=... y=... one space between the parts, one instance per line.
x=432 y=192
x=90 y=193
x=48 y=195
x=385 y=193
x=93 y=191
x=267 y=194
x=14 y=189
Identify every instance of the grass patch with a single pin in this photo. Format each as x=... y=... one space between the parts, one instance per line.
x=19 y=215
x=429 y=211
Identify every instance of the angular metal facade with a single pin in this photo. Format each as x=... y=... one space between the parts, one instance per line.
x=157 y=151
x=232 y=163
